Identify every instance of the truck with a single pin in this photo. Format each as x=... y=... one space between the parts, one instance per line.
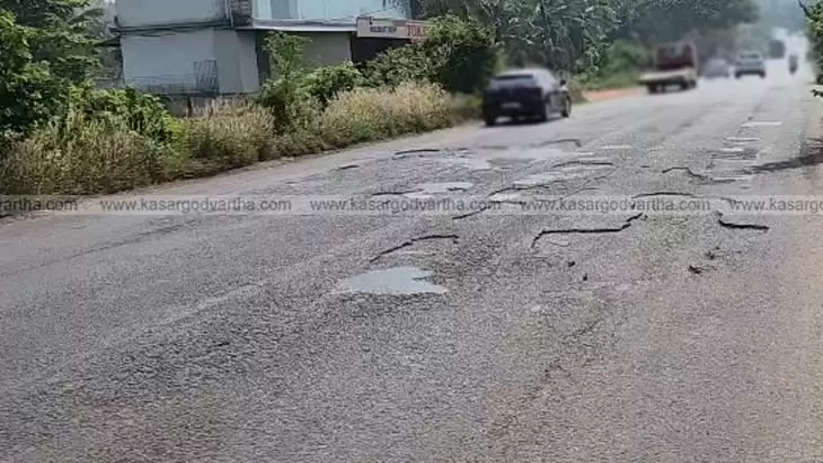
x=777 y=49
x=676 y=64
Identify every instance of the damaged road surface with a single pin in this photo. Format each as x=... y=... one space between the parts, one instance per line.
x=479 y=334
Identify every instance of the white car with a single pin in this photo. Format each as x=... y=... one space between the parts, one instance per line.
x=750 y=63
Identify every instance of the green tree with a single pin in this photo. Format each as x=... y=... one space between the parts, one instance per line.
x=666 y=20
x=574 y=34
x=28 y=91
x=814 y=17
x=459 y=54
x=561 y=34
x=45 y=49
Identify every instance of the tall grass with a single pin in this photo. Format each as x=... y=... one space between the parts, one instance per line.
x=227 y=135
x=80 y=156
x=86 y=155
x=368 y=114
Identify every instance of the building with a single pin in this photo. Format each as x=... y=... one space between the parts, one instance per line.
x=214 y=47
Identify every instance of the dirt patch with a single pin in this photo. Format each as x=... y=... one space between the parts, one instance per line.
x=604 y=95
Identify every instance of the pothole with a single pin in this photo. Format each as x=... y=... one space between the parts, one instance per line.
x=427 y=190
x=469 y=163
x=398 y=281
x=742 y=139
x=736 y=152
x=811 y=155
x=753 y=124
x=568 y=171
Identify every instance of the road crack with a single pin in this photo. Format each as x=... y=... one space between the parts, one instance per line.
x=587 y=231
x=688 y=171
x=741 y=226
x=664 y=193
x=583 y=162
x=697 y=270
x=414 y=241
x=394 y=193
x=418 y=151
x=576 y=141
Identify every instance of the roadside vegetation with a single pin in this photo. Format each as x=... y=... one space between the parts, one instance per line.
x=814 y=18
x=60 y=135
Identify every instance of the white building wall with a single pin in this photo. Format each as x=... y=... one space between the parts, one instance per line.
x=348 y=10
x=237 y=61
x=136 y=13
x=201 y=61
x=165 y=63
x=331 y=10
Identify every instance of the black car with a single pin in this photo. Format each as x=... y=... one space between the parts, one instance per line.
x=526 y=93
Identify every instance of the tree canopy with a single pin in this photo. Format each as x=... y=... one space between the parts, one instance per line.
x=44 y=50
x=571 y=34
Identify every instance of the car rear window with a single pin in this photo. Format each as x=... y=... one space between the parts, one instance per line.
x=515 y=79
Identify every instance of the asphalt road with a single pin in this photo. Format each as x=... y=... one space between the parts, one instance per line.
x=258 y=338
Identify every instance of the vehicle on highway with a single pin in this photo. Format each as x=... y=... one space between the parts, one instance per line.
x=750 y=63
x=526 y=93
x=794 y=63
x=777 y=49
x=675 y=64
x=717 y=67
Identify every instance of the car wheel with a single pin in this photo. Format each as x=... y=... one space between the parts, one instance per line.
x=652 y=88
x=685 y=86
x=737 y=76
x=567 y=108
x=762 y=75
x=490 y=119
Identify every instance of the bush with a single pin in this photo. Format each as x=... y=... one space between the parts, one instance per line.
x=460 y=55
x=625 y=56
x=465 y=52
x=399 y=65
x=368 y=114
x=325 y=83
x=619 y=67
x=82 y=156
x=283 y=95
x=227 y=136
x=141 y=112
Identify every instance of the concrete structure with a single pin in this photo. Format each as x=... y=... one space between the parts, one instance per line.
x=212 y=47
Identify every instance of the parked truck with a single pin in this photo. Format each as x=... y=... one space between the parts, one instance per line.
x=676 y=64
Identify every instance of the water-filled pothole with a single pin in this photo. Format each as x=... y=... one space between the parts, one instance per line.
x=396 y=281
